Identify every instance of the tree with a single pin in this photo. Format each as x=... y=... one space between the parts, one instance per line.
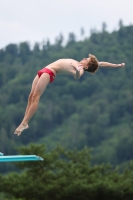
x=82 y=32
x=120 y=23
x=71 y=38
x=66 y=175
x=104 y=26
x=36 y=48
x=24 y=51
x=59 y=40
x=12 y=49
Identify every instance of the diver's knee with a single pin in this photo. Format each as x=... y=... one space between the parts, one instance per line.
x=35 y=97
x=30 y=96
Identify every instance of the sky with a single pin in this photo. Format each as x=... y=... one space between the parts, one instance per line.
x=38 y=20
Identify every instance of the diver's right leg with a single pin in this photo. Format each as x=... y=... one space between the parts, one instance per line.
x=34 y=83
x=39 y=89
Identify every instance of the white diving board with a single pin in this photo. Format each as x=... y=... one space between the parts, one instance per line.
x=18 y=158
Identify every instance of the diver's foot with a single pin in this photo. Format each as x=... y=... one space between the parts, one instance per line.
x=20 y=128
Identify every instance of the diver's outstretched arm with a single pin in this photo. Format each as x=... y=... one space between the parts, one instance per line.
x=107 y=64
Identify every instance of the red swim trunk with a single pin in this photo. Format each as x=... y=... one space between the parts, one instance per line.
x=48 y=71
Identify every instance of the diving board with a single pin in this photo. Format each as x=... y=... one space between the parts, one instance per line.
x=18 y=158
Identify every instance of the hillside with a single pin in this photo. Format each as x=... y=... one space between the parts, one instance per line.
x=96 y=111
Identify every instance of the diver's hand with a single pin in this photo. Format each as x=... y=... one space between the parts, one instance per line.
x=78 y=68
x=121 y=65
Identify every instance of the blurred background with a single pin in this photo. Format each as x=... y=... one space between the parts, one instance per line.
x=96 y=111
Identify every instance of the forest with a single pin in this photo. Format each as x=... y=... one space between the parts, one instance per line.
x=95 y=112
x=65 y=174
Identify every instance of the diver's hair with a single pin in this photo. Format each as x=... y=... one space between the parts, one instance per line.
x=93 y=64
